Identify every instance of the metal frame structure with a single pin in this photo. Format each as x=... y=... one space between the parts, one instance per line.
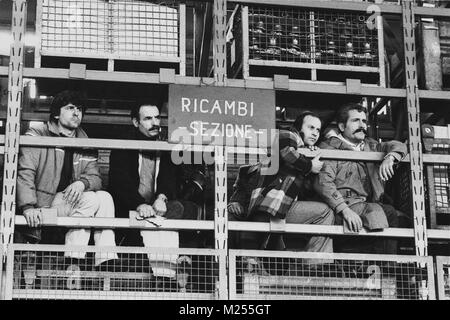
x=220 y=152
x=15 y=87
x=11 y=139
x=414 y=141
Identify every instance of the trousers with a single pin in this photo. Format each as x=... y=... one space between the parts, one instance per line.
x=300 y=212
x=97 y=204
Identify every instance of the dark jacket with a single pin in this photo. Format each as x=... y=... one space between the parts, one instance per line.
x=346 y=182
x=246 y=181
x=124 y=177
x=275 y=193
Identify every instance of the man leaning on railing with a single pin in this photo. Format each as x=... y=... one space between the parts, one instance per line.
x=354 y=189
x=287 y=193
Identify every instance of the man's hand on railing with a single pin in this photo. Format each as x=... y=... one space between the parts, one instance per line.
x=160 y=207
x=313 y=148
x=387 y=168
x=352 y=219
x=236 y=209
x=145 y=211
x=33 y=217
x=316 y=164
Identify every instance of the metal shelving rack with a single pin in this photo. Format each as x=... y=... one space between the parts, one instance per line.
x=112 y=30
x=12 y=140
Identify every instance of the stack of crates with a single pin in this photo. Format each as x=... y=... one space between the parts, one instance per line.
x=125 y=30
x=310 y=44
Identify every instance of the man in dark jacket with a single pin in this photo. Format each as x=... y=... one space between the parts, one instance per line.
x=354 y=189
x=148 y=182
x=286 y=194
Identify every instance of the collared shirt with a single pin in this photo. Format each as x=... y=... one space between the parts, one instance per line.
x=356 y=147
x=149 y=175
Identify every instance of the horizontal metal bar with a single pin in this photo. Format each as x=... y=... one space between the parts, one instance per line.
x=165 y=146
x=326 y=4
x=436 y=158
x=87 y=118
x=116 y=249
x=107 y=295
x=317 y=66
x=234 y=226
x=331 y=256
x=261 y=83
x=435 y=95
x=106 y=56
x=432 y=12
x=318 y=229
x=106 y=144
x=169 y=224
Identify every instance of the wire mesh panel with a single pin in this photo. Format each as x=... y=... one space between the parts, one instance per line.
x=314 y=36
x=128 y=28
x=75 y=26
x=443 y=279
x=62 y=272
x=143 y=28
x=438 y=187
x=302 y=275
x=323 y=42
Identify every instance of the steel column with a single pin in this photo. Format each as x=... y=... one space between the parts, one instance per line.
x=15 y=87
x=220 y=75
x=415 y=145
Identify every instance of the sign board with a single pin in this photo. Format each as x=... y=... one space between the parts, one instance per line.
x=221 y=116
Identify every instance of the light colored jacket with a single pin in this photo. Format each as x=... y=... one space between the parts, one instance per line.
x=342 y=183
x=39 y=169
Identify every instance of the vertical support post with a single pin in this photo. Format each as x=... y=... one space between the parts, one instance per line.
x=182 y=37
x=414 y=132
x=219 y=42
x=312 y=43
x=221 y=214
x=245 y=43
x=381 y=52
x=37 y=49
x=220 y=74
x=110 y=36
x=15 y=88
